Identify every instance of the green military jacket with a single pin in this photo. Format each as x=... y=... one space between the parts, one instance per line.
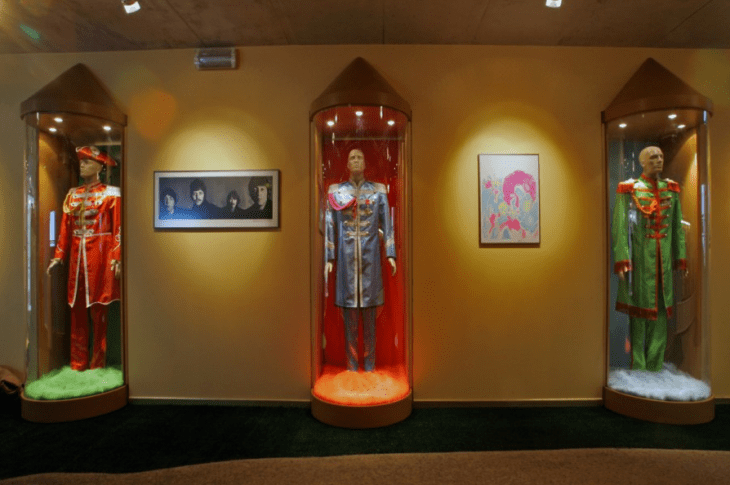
x=648 y=240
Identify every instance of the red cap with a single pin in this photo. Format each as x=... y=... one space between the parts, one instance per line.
x=95 y=154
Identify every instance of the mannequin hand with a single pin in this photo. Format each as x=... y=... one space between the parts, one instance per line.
x=327 y=268
x=622 y=275
x=392 y=264
x=117 y=269
x=54 y=262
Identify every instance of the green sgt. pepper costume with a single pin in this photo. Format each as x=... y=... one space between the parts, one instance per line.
x=648 y=241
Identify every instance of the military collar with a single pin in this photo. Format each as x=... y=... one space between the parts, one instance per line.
x=355 y=184
x=650 y=182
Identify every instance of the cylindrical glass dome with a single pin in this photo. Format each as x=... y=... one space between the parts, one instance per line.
x=361 y=310
x=75 y=357
x=658 y=315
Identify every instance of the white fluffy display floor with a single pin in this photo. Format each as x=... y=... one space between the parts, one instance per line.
x=669 y=384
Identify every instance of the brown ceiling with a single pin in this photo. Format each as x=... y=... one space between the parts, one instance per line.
x=101 y=25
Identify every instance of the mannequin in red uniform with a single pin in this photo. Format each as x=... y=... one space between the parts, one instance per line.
x=90 y=240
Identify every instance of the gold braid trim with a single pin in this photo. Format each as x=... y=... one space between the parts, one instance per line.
x=646 y=210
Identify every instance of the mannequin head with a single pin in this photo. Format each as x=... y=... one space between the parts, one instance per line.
x=652 y=161
x=91 y=162
x=356 y=163
x=89 y=169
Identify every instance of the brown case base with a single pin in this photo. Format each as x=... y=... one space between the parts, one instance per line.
x=375 y=416
x=656 y=411
x=56 y=411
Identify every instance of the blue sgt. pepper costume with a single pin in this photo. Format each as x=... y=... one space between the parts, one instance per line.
x=356 y=213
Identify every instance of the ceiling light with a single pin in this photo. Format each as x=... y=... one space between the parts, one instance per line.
x=131 y=6
x=58 y=119
x=52 y=129
x=623 y=125
x=107 y=128
x=391 y=122
x=358 y=113
x=681 y=127
x=553 y=3
x=330 y=123
x=672 y=116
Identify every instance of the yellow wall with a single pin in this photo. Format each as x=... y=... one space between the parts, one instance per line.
x=225 y=315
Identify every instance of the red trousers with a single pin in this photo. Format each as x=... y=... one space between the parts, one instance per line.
x=80 y=331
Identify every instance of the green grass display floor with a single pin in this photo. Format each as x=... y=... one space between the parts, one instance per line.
x=66 y=383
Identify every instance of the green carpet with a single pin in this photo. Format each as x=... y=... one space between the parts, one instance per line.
x=141 y=437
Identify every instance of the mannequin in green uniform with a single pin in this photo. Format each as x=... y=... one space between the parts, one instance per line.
x=649 y=214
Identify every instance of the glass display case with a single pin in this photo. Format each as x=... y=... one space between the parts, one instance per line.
x=361 y=303
x=656 y=140
x=75 y=356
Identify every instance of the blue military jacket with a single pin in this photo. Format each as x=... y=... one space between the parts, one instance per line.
x=355 y=214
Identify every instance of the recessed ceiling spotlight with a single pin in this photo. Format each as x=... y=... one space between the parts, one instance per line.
x=52 y=129
x=330 y=123
x=358 y=113
x=681 y=127
x=553 y=3
x=623 y=125
x=107 y=128
x=58 y=119
x=391 y=122
x=672 y=116
x=131 y=6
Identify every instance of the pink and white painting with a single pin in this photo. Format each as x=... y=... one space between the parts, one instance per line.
x=509 y=192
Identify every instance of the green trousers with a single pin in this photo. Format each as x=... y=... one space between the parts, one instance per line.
x=648 y=342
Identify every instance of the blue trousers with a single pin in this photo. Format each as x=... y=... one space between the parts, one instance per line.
x=351 y=316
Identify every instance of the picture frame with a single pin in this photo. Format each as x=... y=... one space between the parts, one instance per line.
x=509 y=199
x=177 y=200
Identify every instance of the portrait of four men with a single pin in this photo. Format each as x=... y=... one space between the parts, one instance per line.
x=229 y=201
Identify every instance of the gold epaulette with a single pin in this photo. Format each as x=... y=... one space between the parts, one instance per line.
x=625 y=187
x=673 y=186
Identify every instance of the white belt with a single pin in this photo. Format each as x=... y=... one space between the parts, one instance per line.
x=89 y=232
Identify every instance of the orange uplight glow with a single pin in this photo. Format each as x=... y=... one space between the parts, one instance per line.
x=152 y=111
x=360 y=388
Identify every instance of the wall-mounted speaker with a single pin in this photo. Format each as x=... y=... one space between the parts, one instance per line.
x=216 y=58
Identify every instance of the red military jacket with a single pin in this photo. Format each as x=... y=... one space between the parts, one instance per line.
x=90 y=239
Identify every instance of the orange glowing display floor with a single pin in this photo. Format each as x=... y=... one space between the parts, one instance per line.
x=340 y=386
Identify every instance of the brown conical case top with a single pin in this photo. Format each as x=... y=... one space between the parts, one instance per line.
x=360 y=84
x=653 y=88
x=75 y=91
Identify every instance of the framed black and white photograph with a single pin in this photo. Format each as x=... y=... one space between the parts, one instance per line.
x=216 y=199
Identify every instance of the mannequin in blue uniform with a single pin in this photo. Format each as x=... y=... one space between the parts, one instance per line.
x=357 y=210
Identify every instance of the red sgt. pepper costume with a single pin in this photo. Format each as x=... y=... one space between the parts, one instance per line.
x=649 y=241
x=90 y=240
